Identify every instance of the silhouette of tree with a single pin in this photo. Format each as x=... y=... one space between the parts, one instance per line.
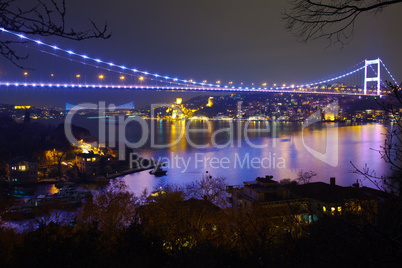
x=305 y=176
x=39 y=17
x=209 y=188
x=111 y=209
x=334 y=20
x=391 y=150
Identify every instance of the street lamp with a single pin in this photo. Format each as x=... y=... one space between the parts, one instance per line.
x=25 y=76
x=101 y=77
x=122 y=78
x=78 y=78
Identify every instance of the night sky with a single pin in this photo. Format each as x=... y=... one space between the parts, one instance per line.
x=227 y=40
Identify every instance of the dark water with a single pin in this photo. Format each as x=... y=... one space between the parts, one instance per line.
x=280 y=149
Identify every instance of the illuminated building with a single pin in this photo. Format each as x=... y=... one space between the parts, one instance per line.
x=306 y=202
x=210 y=102
x=22 y=107
x=22 y=170
x=87 y=163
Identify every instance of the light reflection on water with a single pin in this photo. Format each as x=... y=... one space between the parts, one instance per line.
x=284 y=144
x=283 y=156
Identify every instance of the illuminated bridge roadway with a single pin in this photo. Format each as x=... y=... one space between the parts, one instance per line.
x=160 y=82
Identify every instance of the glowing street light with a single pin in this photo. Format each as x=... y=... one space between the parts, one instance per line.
x=78 y=78
x=25 y=76
x=230 y=83
x=122 y=78
x=204 y=81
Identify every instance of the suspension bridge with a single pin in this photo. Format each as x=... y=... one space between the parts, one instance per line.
x=370 y=72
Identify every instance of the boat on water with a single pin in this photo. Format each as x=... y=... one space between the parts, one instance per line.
x=158 y=171
x=71 y=193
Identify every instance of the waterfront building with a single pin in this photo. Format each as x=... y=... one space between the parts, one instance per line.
x=308 y=202
x=22 y=170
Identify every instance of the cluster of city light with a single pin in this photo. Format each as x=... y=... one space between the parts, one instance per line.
x=188 y=84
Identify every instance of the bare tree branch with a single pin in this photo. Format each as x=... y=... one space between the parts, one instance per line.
x=391 y=150
x=40 y=17
x=331 y=19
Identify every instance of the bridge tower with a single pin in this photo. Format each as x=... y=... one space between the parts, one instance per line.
x=377 y=79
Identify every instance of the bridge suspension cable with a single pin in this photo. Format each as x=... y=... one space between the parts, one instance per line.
x=183 y=83
x=392 y=77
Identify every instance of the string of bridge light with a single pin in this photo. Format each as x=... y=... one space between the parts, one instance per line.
x=98 y=86
x=110 y=64
x=375 y=72
x=383 y=64
x=332 y=79
x=108 y=69
x=175 y=80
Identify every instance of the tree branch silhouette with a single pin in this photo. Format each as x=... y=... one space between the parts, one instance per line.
x=40 y=17
x=333 y=20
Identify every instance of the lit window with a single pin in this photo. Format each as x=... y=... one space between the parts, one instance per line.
x=23 y=168
x=93 y=159
x=88 y=159
x=14 y=168
x=332 y=209
x=339 y=209
x=324 y=209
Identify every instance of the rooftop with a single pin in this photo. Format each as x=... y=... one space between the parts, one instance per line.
x=20 y=159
